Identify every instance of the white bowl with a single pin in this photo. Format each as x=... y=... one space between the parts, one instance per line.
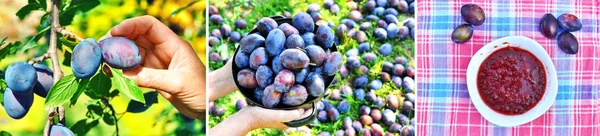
x=551 y=81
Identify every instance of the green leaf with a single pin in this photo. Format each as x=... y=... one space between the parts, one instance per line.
x=70 y=44
x=108 y=119
x=67 y=60
x=96 y=109
x=67 y=15
x=137 y=107
x=82 y=127
x=114 y=93
x=4 y=133
x=2 y=88
x=2 y=41
x=27 y=9
x=10 y=49
x=42 y=4
x=127 y=86
x=99 y=86
x=62 y=91
x=80 y=89
x=183 y=8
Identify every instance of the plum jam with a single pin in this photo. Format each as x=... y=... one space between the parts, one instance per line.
x=511 y=81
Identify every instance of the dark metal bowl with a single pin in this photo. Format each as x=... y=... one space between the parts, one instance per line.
x=310 y=101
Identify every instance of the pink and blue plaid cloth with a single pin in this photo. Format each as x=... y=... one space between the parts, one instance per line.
x=444 y=106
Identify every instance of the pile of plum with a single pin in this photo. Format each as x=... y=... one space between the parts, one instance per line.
x=277 y=67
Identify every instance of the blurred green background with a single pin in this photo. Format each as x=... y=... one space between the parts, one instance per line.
x=161 y=118
x=253 y=10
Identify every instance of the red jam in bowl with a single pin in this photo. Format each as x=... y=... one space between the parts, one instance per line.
x=511 y=81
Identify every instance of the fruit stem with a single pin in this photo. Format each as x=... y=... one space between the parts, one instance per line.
x=55 y=64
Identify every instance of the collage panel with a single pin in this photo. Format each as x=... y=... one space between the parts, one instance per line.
x=311 y=67
x=102 y=67
x=526 y=67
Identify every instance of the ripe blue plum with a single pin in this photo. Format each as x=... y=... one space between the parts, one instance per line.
x=346 y=91
x=301 y=75
x=322 y=116
x=21 y=77
x=378 y=11
x=239 y=104
x=355 y=15
x=385 y=77
x=288 y=29
x=258 y=57
x=398 y=70
x=44 y=80
x=392 y=30
x=217 y=19
x=316 y=16
x=313 y=8
x=60 y=130
x=295 y=96
x=395 y=128
x=271 y=97
x=284 y=81
x=347 y=122
x=213 y=40
x=324 y=36
x=333 y=114
x=235 y=37
x=218 y=111
x=568 y=43
x=225 y=30
x=366 y=120
x=410 y=71
x=344 y=72
x=390 y=19
x=276 y=65
x=265 y=25
x=246 y=78
x=213 y=56
x=385 y=49
x=569 y=22
x=375 y=84
x=357 y=125
x=407 y=108
x=251 y=42
x=335 y=9
x=213 y=10
x=349 y=23
x=364 y=47
x=408 y=130
x=363 y=69
x=391 y=11
x=401 y=60
x=408 y=85
x=314 y=84
x=473 y=14
x=378 y=103
x=359 y=94
x=294 y=41
x=462 y=33
x=118 y=52
x=364 y=26
x=402 y=119
x=392 y=102
x=264 y=76
x=316 y=54
x=343 y=106
x=376 y=115
x=397 y=80
x=335 y=95
x=403 y=32
x=389 y=117
x=370 y=5
x=86 y=58
x=372 y=18
x=216 y=33
x=328 y=3
x=240 y=24
x=341 y=30
x=333 y=63
x=364 y=110
x=380 y=34
x=410 y=97
x=361 y=81
x=369 y=57
x=294 y=59
x=361 y=37
x=275 y=42
x=258 y=93
x=371 y=97
x=17 y=105
x=242 y=59
x=549 y=26
x=309 y=38
x=352 y=52
x=382 y=24
x=303 y=22
x=287 y=14
x=381 y=3
x=352 y=62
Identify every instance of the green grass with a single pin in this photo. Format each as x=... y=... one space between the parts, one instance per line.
x=252 y=11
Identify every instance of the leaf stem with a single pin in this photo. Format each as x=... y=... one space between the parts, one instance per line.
x=113 y=113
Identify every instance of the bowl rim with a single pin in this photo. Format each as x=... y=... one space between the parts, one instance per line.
x=540 y=108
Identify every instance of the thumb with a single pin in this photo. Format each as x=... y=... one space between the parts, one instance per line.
x=285 y=115
x=159 y=79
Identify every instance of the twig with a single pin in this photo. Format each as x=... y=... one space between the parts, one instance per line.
x=40 y=58
x=112 y=109
x=67 y=33
x=52 y=49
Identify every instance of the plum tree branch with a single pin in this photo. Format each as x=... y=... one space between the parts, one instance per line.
x=112 y=109
x=52 y=53
x=67 y=33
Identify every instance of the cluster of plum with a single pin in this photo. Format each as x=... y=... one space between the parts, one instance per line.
x=24 y=79
x=389 y=27
x=224 y=31
x=474 y=16
x=277 y=67
x=549 y=26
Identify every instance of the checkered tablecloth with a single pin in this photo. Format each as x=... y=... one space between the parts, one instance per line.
x=444 y=106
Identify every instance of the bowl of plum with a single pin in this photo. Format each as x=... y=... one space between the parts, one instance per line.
x=512 y=81
x=282 y=64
